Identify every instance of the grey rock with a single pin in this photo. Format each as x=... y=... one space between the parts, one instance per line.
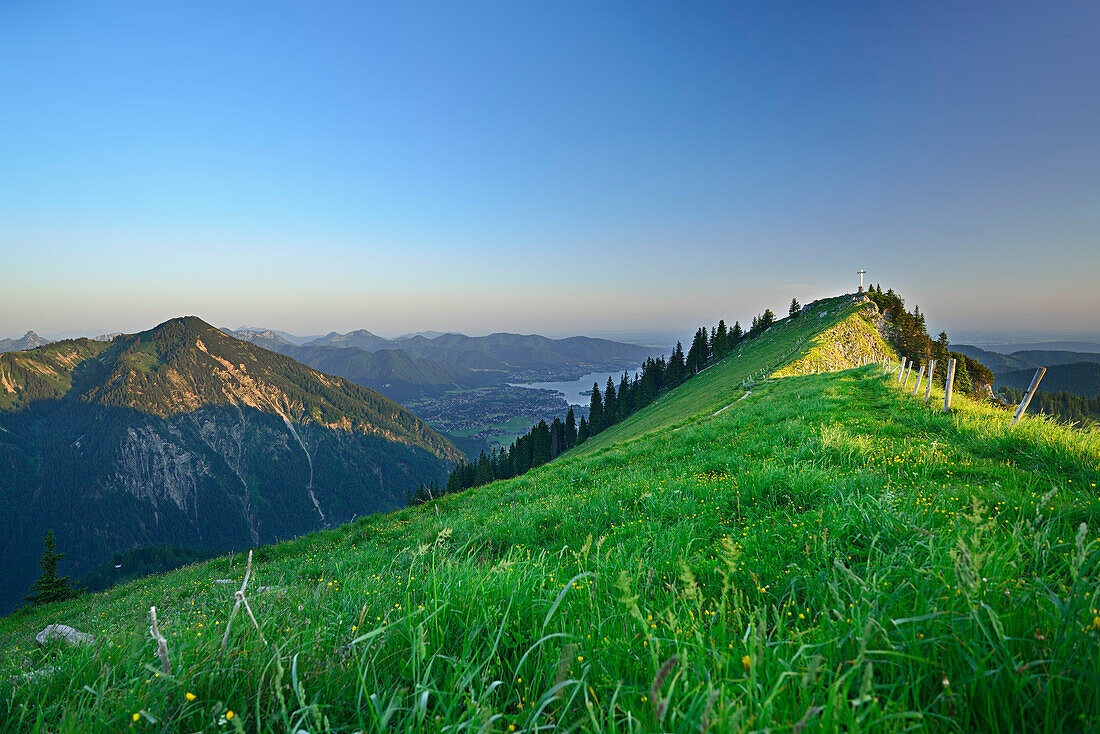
x=65 y=633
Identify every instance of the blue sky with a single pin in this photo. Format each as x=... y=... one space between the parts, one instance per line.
x=551 y=167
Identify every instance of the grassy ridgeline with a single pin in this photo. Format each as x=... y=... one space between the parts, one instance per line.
x=826 y=551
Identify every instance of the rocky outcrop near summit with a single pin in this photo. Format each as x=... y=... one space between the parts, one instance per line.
x=30 y=340
x=852 y=342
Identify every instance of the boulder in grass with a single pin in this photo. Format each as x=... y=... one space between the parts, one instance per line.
x=65 y=633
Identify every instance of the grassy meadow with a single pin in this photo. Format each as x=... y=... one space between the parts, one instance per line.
x=825 y=553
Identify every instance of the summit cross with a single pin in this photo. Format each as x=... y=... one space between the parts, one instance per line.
x=861 y=273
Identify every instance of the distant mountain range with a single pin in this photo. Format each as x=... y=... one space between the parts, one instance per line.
x=517 y=356
x=1024 y=359
x=1089 y=347
x=413 y=366
x=183 y=436
x=392 y=372
x=1069 y=371
x=30 y=340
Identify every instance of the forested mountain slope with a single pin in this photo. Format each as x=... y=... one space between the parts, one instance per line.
x=183 y=436
x=392 y=372
x=1081 y=378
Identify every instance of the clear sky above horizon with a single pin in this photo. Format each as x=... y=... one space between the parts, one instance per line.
x=546 y=167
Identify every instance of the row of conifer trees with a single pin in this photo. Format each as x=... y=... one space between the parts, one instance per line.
x=545 y=441
x=909 y=336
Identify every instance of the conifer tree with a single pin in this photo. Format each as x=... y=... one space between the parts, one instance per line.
x=736 y=334
x=557 y=438
x=697 y=354
x=940 y=354
x=963 y=384
x=720 y=346
x=484 y=473
x=540 y=444
x=795 y=308
x=610 y=404
x=50 y=587
x=625 y=397
x=582 y=431
x=677 y=367
x=570 y=429
x=595 y=411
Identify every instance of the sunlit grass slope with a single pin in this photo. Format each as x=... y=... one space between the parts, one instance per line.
x=826 y=554
x=790 y=340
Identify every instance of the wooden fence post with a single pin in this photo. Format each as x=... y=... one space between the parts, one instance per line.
x=948 y=385
x=920 y=375
x=1030 y=391
x=928 y=385
x=901 y=369
x=908 y=372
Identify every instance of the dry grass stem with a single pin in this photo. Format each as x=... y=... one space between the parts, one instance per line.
x=240 y=597
x=162 y=644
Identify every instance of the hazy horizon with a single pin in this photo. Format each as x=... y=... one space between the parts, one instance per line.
x=661 y=338
x=622 y=168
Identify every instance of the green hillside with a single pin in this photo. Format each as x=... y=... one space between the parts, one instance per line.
x=811 y=552
x=832 y=334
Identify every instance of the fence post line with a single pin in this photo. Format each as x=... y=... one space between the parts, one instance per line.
x=1030 y=392
x=928 y=387
x=948 y=385
x=920 y=374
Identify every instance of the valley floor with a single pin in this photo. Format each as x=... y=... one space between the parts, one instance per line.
x=825 y=554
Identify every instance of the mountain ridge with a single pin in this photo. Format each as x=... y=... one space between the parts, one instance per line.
x=30 y=340
x=184 y=436
x=784 y=510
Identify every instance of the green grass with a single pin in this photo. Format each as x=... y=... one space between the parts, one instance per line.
x=722 y=384
x=825 y=554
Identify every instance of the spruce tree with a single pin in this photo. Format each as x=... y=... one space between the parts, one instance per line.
x=540 y=444
x=677 y=368
x=940 y=354
x=736 y=334
x=626 y=397
x=610 y=404
x=582 y=431
x=720 y=346
x=484 y=473
x=570 y=429
x=595 y=411
x=795 y=308
x=698 y=355
x=557 y=438
x=49 y=586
